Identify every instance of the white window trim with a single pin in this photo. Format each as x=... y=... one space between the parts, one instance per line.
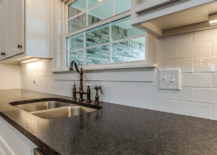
x=113 y=66
x=122 y=65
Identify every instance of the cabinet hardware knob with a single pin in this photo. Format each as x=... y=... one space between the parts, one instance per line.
x=2 y=53
x=20 y=46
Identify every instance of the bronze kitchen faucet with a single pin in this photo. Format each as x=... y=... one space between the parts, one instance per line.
x=80 y=92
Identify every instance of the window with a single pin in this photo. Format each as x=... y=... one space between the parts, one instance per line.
x=113 y=41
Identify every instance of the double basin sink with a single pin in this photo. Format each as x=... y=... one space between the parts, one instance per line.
x=54 y=109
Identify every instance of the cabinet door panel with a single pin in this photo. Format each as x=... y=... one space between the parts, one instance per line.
x=12 y=27
x=18 y=27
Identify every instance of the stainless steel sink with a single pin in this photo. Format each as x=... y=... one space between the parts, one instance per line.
x=54 y=109
x=45 y=105
x=63 y=112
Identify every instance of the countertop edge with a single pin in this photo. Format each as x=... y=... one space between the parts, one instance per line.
x=43 y=147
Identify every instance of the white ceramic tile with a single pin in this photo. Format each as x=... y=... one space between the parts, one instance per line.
x=205 y=35
x=195 y=109
x=142 y=102
x=179 y=39
x=156 y=80
x=169 y=106
x=201 y=80
x=160 y=48
x=186 y=65
x=171 y=52
x=203 y=49
x=152 y=91
x=161 y=64
x=205 y=64
x=205 y=95
x=120 y=99
x=214 y=112
x=113 y=88
x=132 y=90
x=186 y=94
x=215 y=47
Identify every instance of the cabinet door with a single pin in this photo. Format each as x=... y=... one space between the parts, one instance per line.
x=17 y=27
x=12 y=27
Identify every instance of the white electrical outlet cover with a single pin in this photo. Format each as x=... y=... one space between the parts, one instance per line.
x=170 y=79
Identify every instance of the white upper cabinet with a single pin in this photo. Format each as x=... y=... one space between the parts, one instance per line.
x=26 y=29
x=155 y=16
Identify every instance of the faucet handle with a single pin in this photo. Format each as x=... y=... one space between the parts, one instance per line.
x=98 y=87
x=74 y=83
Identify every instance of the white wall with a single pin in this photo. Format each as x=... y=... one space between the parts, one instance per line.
x=196 y=55
x=9 y=76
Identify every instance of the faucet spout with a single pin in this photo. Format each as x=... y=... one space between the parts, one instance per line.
x=76 y=67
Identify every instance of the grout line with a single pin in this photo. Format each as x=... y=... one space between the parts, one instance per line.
x=212 y=112
x=193 y=94
x=212 y=80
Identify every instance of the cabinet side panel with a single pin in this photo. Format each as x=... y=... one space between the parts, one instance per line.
x=58 y=35
x=39 y=28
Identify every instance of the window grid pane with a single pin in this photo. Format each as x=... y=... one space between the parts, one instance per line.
x=100 y=12
x=97 y=36
x=77 y=23
x=76 y=8
x=97 y=55
x=78 y=57
x=129 y=50
x=120 y=51
x=122 y=29
x=75 y=42
x=95 y=14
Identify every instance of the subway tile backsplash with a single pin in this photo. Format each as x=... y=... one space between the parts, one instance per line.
x=203 y=49
x=196 y=55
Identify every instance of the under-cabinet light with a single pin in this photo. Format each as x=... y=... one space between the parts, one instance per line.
x=213 y=19
x=34 y=60
x=29 y=60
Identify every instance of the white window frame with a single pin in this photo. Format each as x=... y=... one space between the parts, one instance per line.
x=95 y=25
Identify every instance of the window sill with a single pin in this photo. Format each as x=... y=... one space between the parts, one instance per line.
x=130 y=65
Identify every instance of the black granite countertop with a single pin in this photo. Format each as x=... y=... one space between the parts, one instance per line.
x=113 y=130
